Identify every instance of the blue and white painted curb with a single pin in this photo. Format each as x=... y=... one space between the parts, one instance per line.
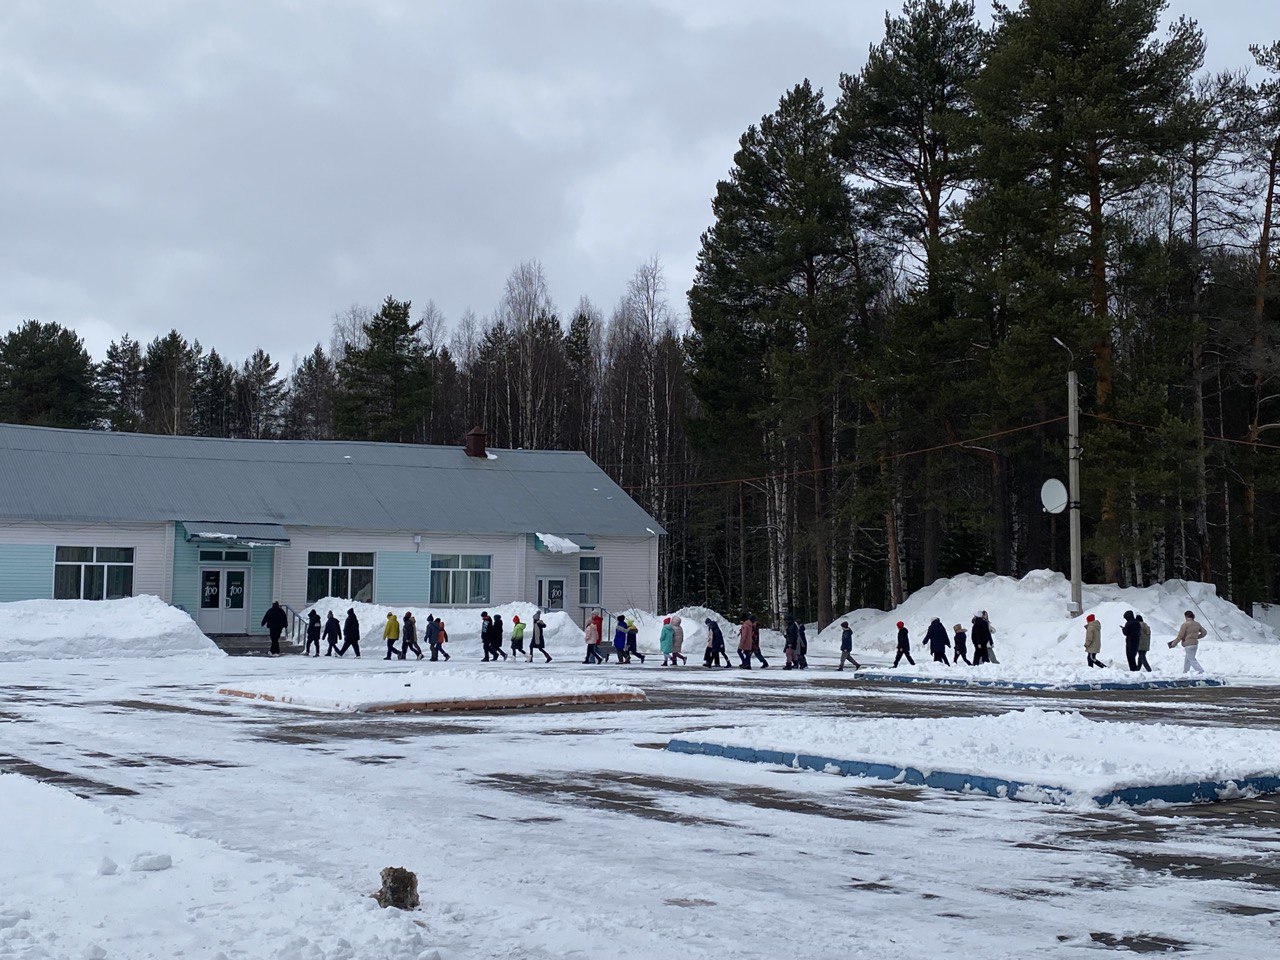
x=1176 y=684
x=1204 y=791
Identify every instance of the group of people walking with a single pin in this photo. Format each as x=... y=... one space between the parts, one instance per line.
x=936 y=639
x=1137 y=641
x=401 y=636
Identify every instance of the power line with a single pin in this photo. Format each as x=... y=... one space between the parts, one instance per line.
x=1208 y=436
x=845 y=466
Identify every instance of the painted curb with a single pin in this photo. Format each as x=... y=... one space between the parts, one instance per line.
x=1030 y=685
x=441 y=706
x=1204 y=791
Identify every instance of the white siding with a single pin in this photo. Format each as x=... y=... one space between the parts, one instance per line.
x=151 y=542
x=291 y=561
x=628 y=568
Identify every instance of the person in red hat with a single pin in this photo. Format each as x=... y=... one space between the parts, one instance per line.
x=1093 y=640
x=904 y=645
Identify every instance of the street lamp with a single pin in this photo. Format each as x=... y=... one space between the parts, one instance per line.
x=1073 y=479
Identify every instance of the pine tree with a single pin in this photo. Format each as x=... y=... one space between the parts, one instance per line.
x=260 y=395
x=309 y=408
x=169 y=372
x=47 y=378
x=120 y=381
x=213 y=398
x=384 y=385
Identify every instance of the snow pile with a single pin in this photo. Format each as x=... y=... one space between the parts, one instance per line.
x=84 y=882
x=1065 y=750
x=1035 y=640
x=693 y=620
x=556 y=544
x=77 y=629
x=461 y=623
x=357 y=691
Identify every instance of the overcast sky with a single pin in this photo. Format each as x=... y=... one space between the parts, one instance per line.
x=244 y=169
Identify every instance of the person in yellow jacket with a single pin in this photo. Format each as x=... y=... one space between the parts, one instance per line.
x=391 y=634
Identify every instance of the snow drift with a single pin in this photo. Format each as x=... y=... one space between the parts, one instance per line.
x=134 y=627
x=461 y=623
x=1035 y=640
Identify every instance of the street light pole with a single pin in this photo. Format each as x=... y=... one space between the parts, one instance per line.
x=1073 y=488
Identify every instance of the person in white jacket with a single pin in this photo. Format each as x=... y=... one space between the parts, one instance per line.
x=1189 y=635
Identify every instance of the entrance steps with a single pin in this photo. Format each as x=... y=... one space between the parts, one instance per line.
x=249 y=645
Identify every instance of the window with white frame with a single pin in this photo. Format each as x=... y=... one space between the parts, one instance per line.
x=461 y=578
x=92 y=573
x=339 y=574
x=589 y=581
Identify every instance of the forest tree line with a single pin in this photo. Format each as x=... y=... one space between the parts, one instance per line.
x=868 y=388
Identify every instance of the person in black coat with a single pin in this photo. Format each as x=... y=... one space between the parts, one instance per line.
x=313 y=633
x=332 y=634
x=350 y=633
x=409 y=635
x=791 y=643
x=486 y=644
x=936 y=637
x=275 y=620
x=495 y=638
x=539 y=639
x=1132 y=637
x=802 y=648
x=716 y=648
x=981 y=637
x=904 y=645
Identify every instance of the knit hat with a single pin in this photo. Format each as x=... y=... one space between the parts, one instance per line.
x=666 y=621
x=631 y=623
x=901 y=624
x=844 y=623
x=515 y=619
x=1089 y=618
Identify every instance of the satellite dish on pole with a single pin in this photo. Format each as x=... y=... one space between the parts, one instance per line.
x=1053 y=495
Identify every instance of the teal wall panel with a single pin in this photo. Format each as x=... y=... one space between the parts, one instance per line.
x=26 y=571
x=402 y=578
x=186 y=577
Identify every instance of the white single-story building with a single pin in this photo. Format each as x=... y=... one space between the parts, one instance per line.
x=223 y=527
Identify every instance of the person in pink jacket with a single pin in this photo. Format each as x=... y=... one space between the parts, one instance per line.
x=746 y=642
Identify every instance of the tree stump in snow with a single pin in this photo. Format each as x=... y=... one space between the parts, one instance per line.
x=399 y=889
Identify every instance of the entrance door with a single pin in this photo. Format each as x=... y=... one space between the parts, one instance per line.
x=223 y=598
x=551 y=593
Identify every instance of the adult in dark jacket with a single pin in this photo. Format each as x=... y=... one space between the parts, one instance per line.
x=620 y=639
x=313 y=633
x=539 y=639
x=802 y=647
x=495 y=637
x=791 y=643
x=486 y=636
x=275 y=620
x=332 y=634
x=715 y=646
x=409 y=635
x=846 y=646
x=350 y=633
x=1132 y=630
x=991 y=637
x=904 y=645
x=938 y=641
x=433 y=638
x=981 y=637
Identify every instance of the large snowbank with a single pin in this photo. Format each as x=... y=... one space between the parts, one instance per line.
x=1044 y=748
x=1035 y=640
x=357 y=692
x=79 y=881
x=461 y=623
x=77 y=629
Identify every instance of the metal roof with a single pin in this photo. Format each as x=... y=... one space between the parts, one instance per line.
x=94 y=476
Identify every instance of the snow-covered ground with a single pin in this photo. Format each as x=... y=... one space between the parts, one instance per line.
x=134 y=627
x=569 y=833
x=442 y=682
x=1085 y=758
x=83 y=880
x=1036 y=641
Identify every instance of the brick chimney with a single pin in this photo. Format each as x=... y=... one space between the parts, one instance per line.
x=474 y=443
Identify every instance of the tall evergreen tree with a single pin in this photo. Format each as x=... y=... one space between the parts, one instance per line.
x=384 y=385
x=260 y=396
x=120 y=384
x=309 y=408
x=47 y=377
x=169 y=372
x=213 y=397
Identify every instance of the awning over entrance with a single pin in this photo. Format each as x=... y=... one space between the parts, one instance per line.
x=236 y=534
x=563 y=542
